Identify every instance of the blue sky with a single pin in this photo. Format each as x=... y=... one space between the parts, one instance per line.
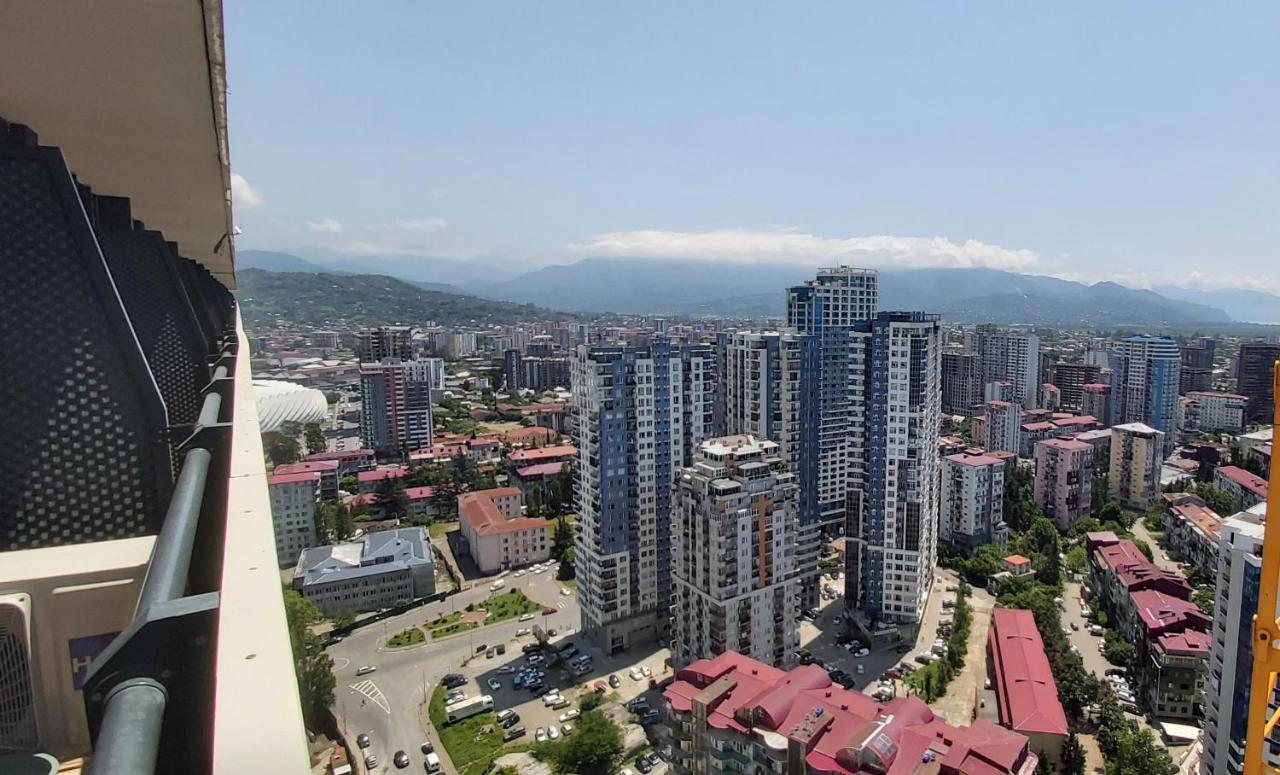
x=1134 y=141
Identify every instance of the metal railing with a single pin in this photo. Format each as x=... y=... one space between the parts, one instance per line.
x=149 y=695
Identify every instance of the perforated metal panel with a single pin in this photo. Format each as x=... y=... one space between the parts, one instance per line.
x=140 y=264
x=85 y=456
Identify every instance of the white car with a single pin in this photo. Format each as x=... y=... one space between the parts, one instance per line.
x=646 y=671
x=523 y=631
x=635 y=674
x=539 y=569
x=566 y=728
x=568 y=715
x=862 y=652
x=506 y=670
x=553 y=733
x=551 y=699
x=494 y=684
x=540 y=735
x=527 y=617
x=519 y=573
x=565 y=591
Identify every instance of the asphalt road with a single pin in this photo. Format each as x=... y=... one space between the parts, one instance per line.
x=385 y=703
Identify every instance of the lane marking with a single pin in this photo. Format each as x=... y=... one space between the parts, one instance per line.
x=371 y=691
x=345 y=663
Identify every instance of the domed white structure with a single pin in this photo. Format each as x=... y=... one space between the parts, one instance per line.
x=282 y=402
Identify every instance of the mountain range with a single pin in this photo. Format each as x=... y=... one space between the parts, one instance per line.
x=348 y=300
x=681 y=287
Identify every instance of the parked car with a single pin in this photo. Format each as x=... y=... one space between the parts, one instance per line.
x=553 y=733
x=615 y=681
x=862 y=652
x=494 y=684
x=566 y=729
x=505 y=714
x=1075 y=626
x=1096 y=629
x=569 y=715
x=635 y=674
x=427 y=747
x=371 y=762
x=362 y=740
x=400 y=760
x=454 y=696
x=646 y=671
x=540 y=735
x=893 y=672
x=527 y=617
x=512 y=734
x=453 y=680
x=650 y=716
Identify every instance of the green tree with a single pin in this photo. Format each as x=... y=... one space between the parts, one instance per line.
x=1073 y=759
x=392 y=499
x=591 y=748
x=1205 y=597
x=1118 y=651
x=344 y=620
x=1086 y=525
x=1111 y=723
x=444 y=498
x=281 y=448
x=533 y=504
x=313 y=667
x=1143 y=547
x=327 y=521
x=1043 y=767
x=349 y=483
x=985 y=563
x=568 y=566
x=1138 y=753
x=1076 y=560
x=315 y=438
x=1220 y=501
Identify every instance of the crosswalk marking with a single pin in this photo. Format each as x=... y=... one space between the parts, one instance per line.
x=370 y=690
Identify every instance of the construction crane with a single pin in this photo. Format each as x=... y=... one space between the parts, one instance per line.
x=1266 y=626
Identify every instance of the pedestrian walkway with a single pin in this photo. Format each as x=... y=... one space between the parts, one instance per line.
x=961 y=699
x=424 y=720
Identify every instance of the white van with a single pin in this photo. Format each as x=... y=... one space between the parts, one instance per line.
x=433 y=762
x=499 y=584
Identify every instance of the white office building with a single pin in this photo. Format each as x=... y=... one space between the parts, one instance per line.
x=1227 y=692
x=293 y=513
x=734 y=524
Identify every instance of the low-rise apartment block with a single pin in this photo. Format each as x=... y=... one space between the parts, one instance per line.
x=1022 y=681
x=1246 y=487
x=734 y=714
x=1192 y=531
x=497 y=533
x=326 y=469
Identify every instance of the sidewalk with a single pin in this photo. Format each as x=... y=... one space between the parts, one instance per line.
x=424 y=721
x=960 y=702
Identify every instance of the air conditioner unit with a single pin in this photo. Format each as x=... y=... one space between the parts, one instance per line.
x=59 y=607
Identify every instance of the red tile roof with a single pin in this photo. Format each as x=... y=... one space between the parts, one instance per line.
x=540 y=470
x=484 y=518
x=419 y=493
x=298 y=478
x=1190 y=641
x=1017 y=559
x=1025 y=687
x=543 y=454
x=346 y=454
x=842 y=731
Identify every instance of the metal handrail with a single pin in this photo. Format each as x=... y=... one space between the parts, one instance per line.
x=128 y=738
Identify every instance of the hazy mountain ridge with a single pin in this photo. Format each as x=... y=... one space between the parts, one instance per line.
x=342 y=301
x=675 y=287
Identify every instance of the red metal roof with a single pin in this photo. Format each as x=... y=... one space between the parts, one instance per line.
x=480 y=513
x=1246 y=479
x=419 y=493
x=1161 y=613
x=380 y=474
x=539 y=470
x=319 y=466
x=275 y=479
x=974 y=460
x=1025 y=687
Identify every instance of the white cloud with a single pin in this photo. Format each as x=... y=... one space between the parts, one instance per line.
x=325 y=226
x=242 y=194
x=1194 y=280
x=420 y=225
x=787 y=245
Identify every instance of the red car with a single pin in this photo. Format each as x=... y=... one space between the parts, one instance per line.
x=548 y=611
x=892 y=672
x=601 y=687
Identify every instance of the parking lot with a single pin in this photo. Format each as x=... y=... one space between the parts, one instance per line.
x=502 y=670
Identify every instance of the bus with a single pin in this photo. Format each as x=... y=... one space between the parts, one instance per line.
x=470 y=707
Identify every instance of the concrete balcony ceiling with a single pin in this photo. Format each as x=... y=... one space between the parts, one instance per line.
x=134 y=93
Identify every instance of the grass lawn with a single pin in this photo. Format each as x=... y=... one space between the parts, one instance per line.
x=470 y=747
x=569 y=584
x=410 y=637
x=439 y=529
x=452 y=629
x=509 y=605
x=444 y=619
